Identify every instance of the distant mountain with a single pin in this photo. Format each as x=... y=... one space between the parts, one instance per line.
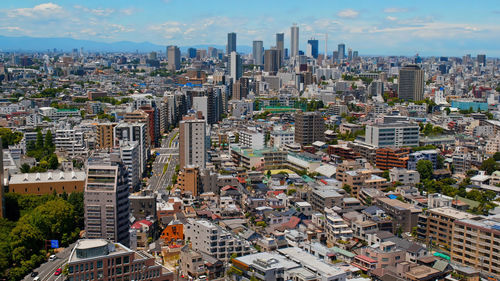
x=33 y=44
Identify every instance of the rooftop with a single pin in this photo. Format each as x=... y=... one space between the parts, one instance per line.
x=55 y=176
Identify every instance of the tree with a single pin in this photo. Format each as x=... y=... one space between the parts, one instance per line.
x=496 y=156
x=9 y=138
x=489 y=166
x=261 y=224
x=448 y=111
x=440 y=162
x=424 y=168
x=39 y=140
x=49 y=145
x=347 y=188
x=25 y=168
x=268 y=173
x=53 y=162
x=386 y=175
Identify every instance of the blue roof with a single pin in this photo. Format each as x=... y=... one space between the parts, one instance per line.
x=392 y=196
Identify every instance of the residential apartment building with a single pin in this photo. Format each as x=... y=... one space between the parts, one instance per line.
x=130 y=155
x=385 y=254
x=209 y=238
x=404 y=176
x=251 y=139
x=134 y=132
x=309 y=127
x=430 y=155
x=436 y=225
x=388 y=158
x=105 y=135
x=70 y=141
x=281 y=138
x=476 y=243
x=99 y=259
x=404 y=215
x=106 y=199
x=392 y=135
x=354 y=175
x=192 y=141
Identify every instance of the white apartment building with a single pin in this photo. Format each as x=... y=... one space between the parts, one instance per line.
x=251 y=139
x=130 y=155
x=281 y=138
x=395 y=135
x=404 y=176
x=215 y=241
x=70 y=141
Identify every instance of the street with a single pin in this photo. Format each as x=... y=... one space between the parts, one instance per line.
x=47 y=269
x=167 y=155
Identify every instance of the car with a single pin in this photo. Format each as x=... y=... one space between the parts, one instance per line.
x=58 y=272
x=36 y=278
x=34 y=274
x=52 y=258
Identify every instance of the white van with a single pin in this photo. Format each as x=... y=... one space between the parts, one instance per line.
x=52 y=258
x=36 y=278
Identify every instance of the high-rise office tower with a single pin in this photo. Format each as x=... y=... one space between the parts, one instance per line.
x=349 y=54
x=294 y=41
x=272 y=60
x=411 y=83
x=314 y=47
x=231 y=43
x=280 y=45
x=341 y=51
x=258 y=49
x=481 y=59
x=235 y=66
x=192 y=138
x=309 y=127
x=355 y=54
x=191 y=53
x=106 y=199
x=174 y=58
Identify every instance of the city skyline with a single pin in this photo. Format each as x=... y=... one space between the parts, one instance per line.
x=389 y=28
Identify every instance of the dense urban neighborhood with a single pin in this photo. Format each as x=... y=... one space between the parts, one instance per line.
x=281 y=164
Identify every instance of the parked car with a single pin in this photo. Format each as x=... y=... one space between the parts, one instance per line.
x=34 y=274
x=52 y=258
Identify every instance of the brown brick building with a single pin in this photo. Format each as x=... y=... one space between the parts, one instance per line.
x=388 y=158
x=47 y=183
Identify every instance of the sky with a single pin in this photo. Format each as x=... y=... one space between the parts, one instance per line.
x=372 y=27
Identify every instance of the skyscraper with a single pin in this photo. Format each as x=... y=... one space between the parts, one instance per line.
x=341 y=51
x=314 y=47
x=280 y=45
x=106 y=199
x=258 y=49
x=174 y=58
x=235 y=66
x=231 y=43
x=411 y=83
x=294 y=41
x=191 y=53
x=309 y=127
x=349 y=54
x=272 y=60
x=192 y=146
x=481 y=59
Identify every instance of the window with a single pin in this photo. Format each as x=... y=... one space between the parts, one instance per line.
x=119 y=260
x=70 y=269
x=126 y=259
x=99 y=264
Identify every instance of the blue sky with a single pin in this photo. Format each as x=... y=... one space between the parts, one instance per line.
x=376 y=27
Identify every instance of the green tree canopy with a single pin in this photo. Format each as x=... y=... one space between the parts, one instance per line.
x=425 y=168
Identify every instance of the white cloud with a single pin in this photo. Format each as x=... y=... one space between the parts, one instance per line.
x=97 y=12
x=39 y=11
x=391 y=18
x=349 y=13
x=395 y=10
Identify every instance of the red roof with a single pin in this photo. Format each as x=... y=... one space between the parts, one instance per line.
x=227 y=187
x=141 y=223
x=241 y=180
